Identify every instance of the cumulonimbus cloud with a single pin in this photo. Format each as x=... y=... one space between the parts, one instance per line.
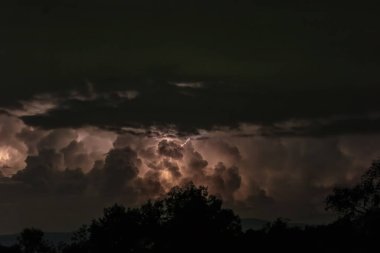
x=258 y=176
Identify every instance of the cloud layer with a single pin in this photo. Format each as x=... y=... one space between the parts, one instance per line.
x=74 y=173
x=268 y=104
x=311 y=63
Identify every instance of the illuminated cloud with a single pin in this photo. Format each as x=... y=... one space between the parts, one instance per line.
x=194 y=85
x=258 y=176
x=170 y=149
x=39 y=104
x=43 y=104
x=13 y=150
x=4 y=155
x=268 y=124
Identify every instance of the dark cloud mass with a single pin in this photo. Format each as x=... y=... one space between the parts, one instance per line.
x=170 y=149
x=120 y=167
x=268 y=104
x=221 y=63
x=225 y=181
x=257 y=176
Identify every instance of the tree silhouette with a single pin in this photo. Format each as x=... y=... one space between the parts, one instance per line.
x=186 y=219
x=359 y=200
x=118 y=231
x=79 y=242
x=11 y=249
x=31 y=240
x=359 y=207
x=193 y=220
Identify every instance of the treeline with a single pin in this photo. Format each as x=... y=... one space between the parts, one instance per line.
x=188 y=219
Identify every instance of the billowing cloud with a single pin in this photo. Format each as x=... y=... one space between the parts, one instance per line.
x=13 y=151
x=120 y=167
x=79 y=148
x=39 y=104
x=258 y=176
x=196 y=162
x=170 y=149
x=269 y=124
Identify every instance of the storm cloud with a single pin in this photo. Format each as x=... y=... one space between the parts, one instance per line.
x=304 y=68
x=259 y=176
x=170 y=149
x=269 y=105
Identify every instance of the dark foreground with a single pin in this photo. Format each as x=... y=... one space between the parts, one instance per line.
x=188 y=219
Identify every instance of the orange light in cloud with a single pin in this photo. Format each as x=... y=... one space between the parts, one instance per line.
x=4 y=156
x=166 y=175
x=11 y=160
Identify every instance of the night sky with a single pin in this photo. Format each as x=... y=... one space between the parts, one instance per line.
x=269 y=104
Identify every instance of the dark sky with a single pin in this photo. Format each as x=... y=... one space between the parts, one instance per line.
x=270 y=104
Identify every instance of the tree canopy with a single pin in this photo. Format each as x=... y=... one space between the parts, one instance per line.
x=185 y=220
x=188 y=219
x=359 y=200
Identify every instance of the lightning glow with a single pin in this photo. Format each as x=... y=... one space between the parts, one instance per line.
x=187 y=140
x=166 y=176
x=4 y=156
